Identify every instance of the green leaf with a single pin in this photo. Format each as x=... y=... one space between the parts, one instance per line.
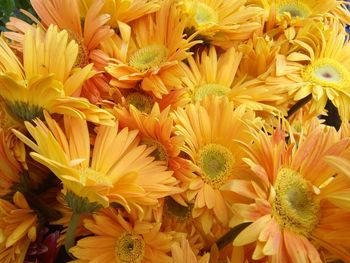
x=6 y=7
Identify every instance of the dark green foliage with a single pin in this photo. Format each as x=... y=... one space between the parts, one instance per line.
x=10 y=8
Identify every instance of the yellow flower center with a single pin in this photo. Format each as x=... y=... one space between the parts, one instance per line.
x=148 y=57
x=295 y=207
x=159 y=153
x=140 y=101
x=24 y=111
x=129 y=248
x=216 y=163
x=328 y=73
x=295 y=8
x=201 y=13
x=173 y=208
x=209 y=89
x=82 y=58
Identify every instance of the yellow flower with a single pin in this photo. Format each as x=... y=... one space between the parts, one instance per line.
x=319 y=67
x=149 y=52
x=9 y=166
x=211 y=129
x=88 y=35
x=213 y=74
x=17 y=229
x=117 y=240
x=119 y=170
x=297 y=13
x=221 y=21
x=124 y=10
x=295 y=197
x=43 y=82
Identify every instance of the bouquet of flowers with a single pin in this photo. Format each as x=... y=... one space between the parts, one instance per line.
x=175 y=131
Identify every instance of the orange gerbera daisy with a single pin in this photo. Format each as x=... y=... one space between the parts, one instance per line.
x=43 y=83
x=117 y=240
x=149 y=52
x=18 y=224
x=155 y=130
x=211 y=129
x=88 y=35
x=296 y=196
x=129 y=176
x=220 y=21
x=182 y=253
x=124 y=10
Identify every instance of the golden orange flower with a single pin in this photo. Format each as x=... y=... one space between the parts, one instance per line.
x=211 y=129
x=212 y=74
x=221 y=22
x=18 y=224
x=148 y=53
x=10 y=168
x=296 y=197
x=317 y=66
x=42 y=82
x=155 y=130
x=123 y=10
x=296 y=13
x=117 y=240
x=117 y=170
x=88 y=35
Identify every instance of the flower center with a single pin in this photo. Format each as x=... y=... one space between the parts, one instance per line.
x=140 y=101
x=294 y=8
x=216 y=163
x=209 y=89
x=91 y=177
x=159 y=153
x=24 y=111
x=173 y=208
x=295 y=207
x=201 y=13
x=129 y=248
x=82 y=58
x=328 y=73
x=148 y=57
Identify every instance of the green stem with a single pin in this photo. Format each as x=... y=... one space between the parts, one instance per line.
x=231 y=235
x=298 y=105
x=70 y=235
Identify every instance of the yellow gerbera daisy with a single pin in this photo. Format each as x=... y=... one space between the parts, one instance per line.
x=297 y=13
x=43 y=83
x=319 y=66
x=295 y=197
x=213 y=74
x=129 y=176
x=211 y=129
x=124 y=10
x=149 y=52
x=88 y=35
x=221 y=21
x=18 y=224
x=117 y=240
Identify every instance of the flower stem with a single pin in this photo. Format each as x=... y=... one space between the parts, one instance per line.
x=298 y=105
x=231 y=235
x=70 y=235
